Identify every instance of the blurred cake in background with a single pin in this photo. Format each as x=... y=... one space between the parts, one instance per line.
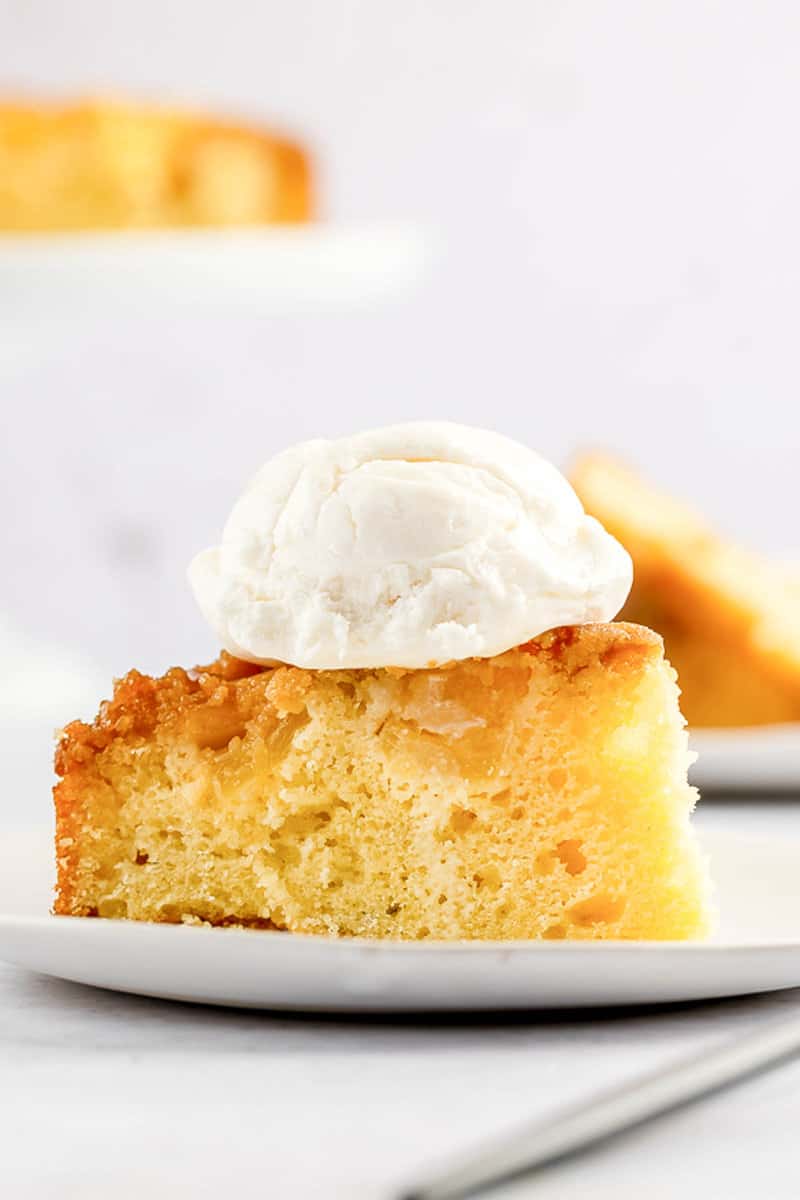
x=110 y=165
x=729 y=618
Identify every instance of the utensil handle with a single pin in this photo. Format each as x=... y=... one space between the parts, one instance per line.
x=613 y=1112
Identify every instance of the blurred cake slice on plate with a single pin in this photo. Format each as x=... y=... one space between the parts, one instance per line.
x=730 y=618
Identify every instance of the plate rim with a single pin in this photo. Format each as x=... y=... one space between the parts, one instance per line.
x=317 y=974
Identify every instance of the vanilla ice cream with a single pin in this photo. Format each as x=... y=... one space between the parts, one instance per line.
x=407 y=546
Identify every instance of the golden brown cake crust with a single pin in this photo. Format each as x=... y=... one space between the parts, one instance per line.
x=228 y=686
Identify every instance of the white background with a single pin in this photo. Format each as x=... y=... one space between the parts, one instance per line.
x=613 y=189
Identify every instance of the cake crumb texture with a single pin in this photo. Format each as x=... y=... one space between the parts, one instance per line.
x=538 y=794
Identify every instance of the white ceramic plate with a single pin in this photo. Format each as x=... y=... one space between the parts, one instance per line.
x=262 y=271
x=757 y=949
x=758 y=759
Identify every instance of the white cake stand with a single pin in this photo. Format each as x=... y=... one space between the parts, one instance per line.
x=272 y=270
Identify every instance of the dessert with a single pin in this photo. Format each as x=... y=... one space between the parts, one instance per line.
x=400 y=739
x=102 y=165
x=729 y=618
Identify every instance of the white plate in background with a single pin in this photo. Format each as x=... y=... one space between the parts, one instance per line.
x=266 y=270
x=756 y=949
x=758 y=758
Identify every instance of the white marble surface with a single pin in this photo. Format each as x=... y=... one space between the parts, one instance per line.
x=105 y=1097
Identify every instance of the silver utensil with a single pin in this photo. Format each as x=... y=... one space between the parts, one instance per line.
x=613 y=1112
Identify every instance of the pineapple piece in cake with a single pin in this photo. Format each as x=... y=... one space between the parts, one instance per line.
x=730 y=619
x=538 y=794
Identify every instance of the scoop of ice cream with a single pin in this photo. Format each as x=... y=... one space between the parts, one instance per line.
x=407 y=546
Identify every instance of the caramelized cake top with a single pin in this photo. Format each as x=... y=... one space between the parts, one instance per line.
x=230 y=689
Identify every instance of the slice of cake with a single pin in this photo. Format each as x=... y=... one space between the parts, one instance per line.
x=105 y=165
x=539 y=793
x=729 y=618
x=422 y=723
